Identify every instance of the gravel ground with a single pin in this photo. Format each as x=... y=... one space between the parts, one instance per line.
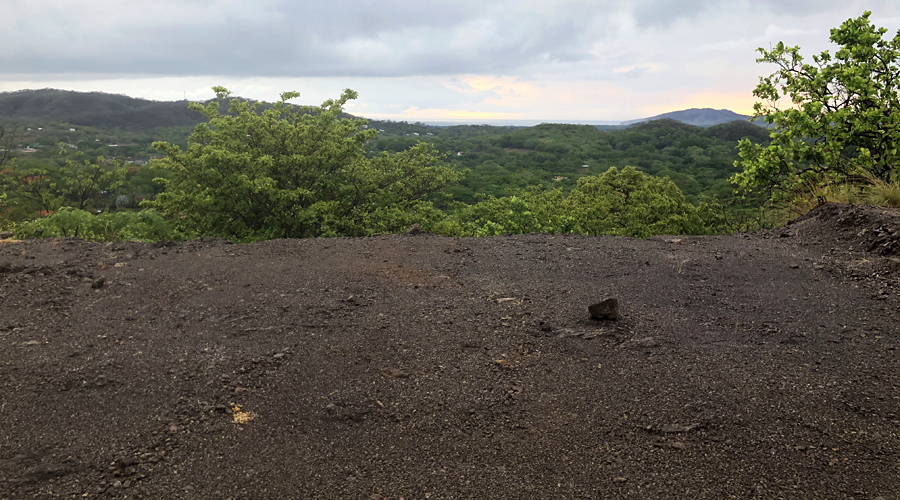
x=418 y=367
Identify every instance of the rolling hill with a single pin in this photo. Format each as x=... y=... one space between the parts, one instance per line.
x=705 y=117
x=94 y=109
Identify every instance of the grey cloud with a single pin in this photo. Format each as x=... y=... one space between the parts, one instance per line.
x=803 y=7
x=662 y=13
x=338 y=38
x=341 y=18
x=312 y=38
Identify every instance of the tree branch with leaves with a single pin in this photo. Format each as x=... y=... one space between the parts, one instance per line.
x=830 y=120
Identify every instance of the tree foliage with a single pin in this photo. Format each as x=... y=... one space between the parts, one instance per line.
x=699 y=160
x=528 y=211
x=630 y=203
x=6 y=145
x=145 y=225
x=843 y=117
x=623 y=202
x=275 y=170
x=76 y=183
x=294 y=172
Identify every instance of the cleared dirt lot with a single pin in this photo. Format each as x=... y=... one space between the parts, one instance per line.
x=746 y=366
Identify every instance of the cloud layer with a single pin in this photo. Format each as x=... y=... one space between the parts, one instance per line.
x=544 y=56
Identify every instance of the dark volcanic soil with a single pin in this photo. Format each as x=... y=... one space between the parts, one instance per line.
x=419 y=367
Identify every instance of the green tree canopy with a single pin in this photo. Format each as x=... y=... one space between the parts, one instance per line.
x=628 y=202
x=843 y=117
x=293 y=172
x=77 y=183
x=623 y=202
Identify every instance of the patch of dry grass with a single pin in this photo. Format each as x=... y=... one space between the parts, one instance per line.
x=859 y=189
x=885 y=194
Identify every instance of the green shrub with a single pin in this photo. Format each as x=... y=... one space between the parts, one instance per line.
x=5 y=223
x=146 y=225
x=532 y=211
x=623 y=202
x=628 y=202
x=294 y=172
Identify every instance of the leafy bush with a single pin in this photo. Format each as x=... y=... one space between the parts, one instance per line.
x=291 y=172
x=146 y=225
x=45 y=186
x=618 y=202
x=532 y=211
x=631 y=203
x=5 y=223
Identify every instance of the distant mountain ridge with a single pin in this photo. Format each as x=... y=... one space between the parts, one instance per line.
x=99 y=109
x=95 y=109
x=103 y=110
x=700 y=117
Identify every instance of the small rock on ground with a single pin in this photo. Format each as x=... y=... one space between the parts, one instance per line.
x=606 y=309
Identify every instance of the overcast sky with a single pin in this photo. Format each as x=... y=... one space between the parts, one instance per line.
x=476 y=61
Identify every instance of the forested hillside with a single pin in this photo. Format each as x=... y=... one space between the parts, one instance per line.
x=37 y=108
x=113 y=154
x=94 y=109
x=501 y=159
x=699 y=160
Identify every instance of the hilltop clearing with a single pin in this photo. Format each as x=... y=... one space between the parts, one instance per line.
x=749 y=366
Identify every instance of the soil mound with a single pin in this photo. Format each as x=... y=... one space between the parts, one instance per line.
x=413 y=366
x=874 y=229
